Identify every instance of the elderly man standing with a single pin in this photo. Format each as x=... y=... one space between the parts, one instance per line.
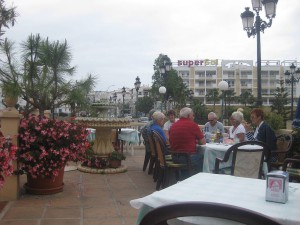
x=213 y=125
x=184 y=135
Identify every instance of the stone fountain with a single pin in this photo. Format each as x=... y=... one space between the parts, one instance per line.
x=103 y=124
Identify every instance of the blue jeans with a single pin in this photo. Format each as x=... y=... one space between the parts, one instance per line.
x=196 y=160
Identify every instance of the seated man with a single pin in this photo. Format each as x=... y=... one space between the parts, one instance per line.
x=213 y=125
x=184 y=135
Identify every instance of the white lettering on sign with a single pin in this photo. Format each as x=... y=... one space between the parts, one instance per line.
x=205 y=62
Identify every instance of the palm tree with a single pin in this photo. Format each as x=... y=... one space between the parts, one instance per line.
x=213 y=95
x=77 y=97
x=7 y=15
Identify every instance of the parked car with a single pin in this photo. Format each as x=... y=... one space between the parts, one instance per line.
x=143 y=119
x=129 y=116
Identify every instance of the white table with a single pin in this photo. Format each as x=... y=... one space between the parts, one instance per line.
x=212 y=151
x=130 y=136
x=242 y=192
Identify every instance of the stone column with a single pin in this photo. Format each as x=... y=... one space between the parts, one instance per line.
x=10 y=120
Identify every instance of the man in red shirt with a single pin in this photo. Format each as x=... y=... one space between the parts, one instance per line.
x=184 y=135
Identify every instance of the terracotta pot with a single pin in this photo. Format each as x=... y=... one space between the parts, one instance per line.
x=45 y=186
x=114 y=163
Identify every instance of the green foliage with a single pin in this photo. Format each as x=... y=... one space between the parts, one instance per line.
x=41 y=73
x=213 y=96
x=200 y=112
x=275 y=121
x=280 y=102
x=171 y=81
x=246 y=98
x=116 y=155
x=7 y=15
x=144 y=104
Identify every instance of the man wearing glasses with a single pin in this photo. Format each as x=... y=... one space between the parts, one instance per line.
x=213 y=125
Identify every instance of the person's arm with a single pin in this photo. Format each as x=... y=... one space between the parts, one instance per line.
x=241 y=136
x=202 y=141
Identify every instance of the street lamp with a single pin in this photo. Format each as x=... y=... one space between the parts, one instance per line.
x=115 y=100
x=255 y=29
x=223 y=86
x=137 y=86
x=162 y=90
x=292 y=80
x=123 y=93
x=191 y=96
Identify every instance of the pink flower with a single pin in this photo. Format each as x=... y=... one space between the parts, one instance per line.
x=50 y=144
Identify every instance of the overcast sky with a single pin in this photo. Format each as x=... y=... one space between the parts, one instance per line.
x=118 y=40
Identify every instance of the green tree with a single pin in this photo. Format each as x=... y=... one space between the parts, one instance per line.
x=246 y=97
x=212 y=95
x=8 y=17
x=280 y=101
x=40 y=73
x=144 y=104
x=171 y=81
x=200 y=112
x=77 y=97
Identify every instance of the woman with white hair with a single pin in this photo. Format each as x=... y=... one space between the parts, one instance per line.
x=237 y=130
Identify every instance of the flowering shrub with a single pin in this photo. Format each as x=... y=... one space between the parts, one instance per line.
x=94 y=161
x=7 y=154
x=46 y=145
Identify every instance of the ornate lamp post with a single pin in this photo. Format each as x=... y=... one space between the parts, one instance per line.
x=123 y=94
x=191 y=96
x=162 y=90
x=115 y=100
x=223 y=86
x=292 y=79
x=137 y=86
x=254 y=28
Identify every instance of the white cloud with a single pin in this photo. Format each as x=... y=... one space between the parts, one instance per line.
x=120 y=39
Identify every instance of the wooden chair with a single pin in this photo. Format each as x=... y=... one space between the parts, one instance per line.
x=153 y=164
x=284 y=144
x=165 y=168
x=161 y=215
x=245 y=162
x=292 y=166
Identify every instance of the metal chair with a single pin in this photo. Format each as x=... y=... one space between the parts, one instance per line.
x=284 y=144
x=246 y=162
x=292 y=166
x=161 y=215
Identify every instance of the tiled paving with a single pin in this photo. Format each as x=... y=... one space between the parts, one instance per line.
x=87 y=199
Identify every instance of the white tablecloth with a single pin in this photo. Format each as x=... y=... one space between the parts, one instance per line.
x=242 y=192
x=211 y=152
x=129 y=135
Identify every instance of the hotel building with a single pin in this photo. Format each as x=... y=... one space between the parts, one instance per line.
x=241 y=75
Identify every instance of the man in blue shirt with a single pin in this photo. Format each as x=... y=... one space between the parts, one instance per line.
x=158 y=122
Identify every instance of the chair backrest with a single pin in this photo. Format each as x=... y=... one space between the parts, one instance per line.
x=159 y=147
x=247 y=161
x=284 y=143
x=160 y=215
x=152 y=146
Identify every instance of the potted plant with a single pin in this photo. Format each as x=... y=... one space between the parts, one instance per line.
x=45 y=147
x=115 y=159
x=7 y=154
x=11 y=91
